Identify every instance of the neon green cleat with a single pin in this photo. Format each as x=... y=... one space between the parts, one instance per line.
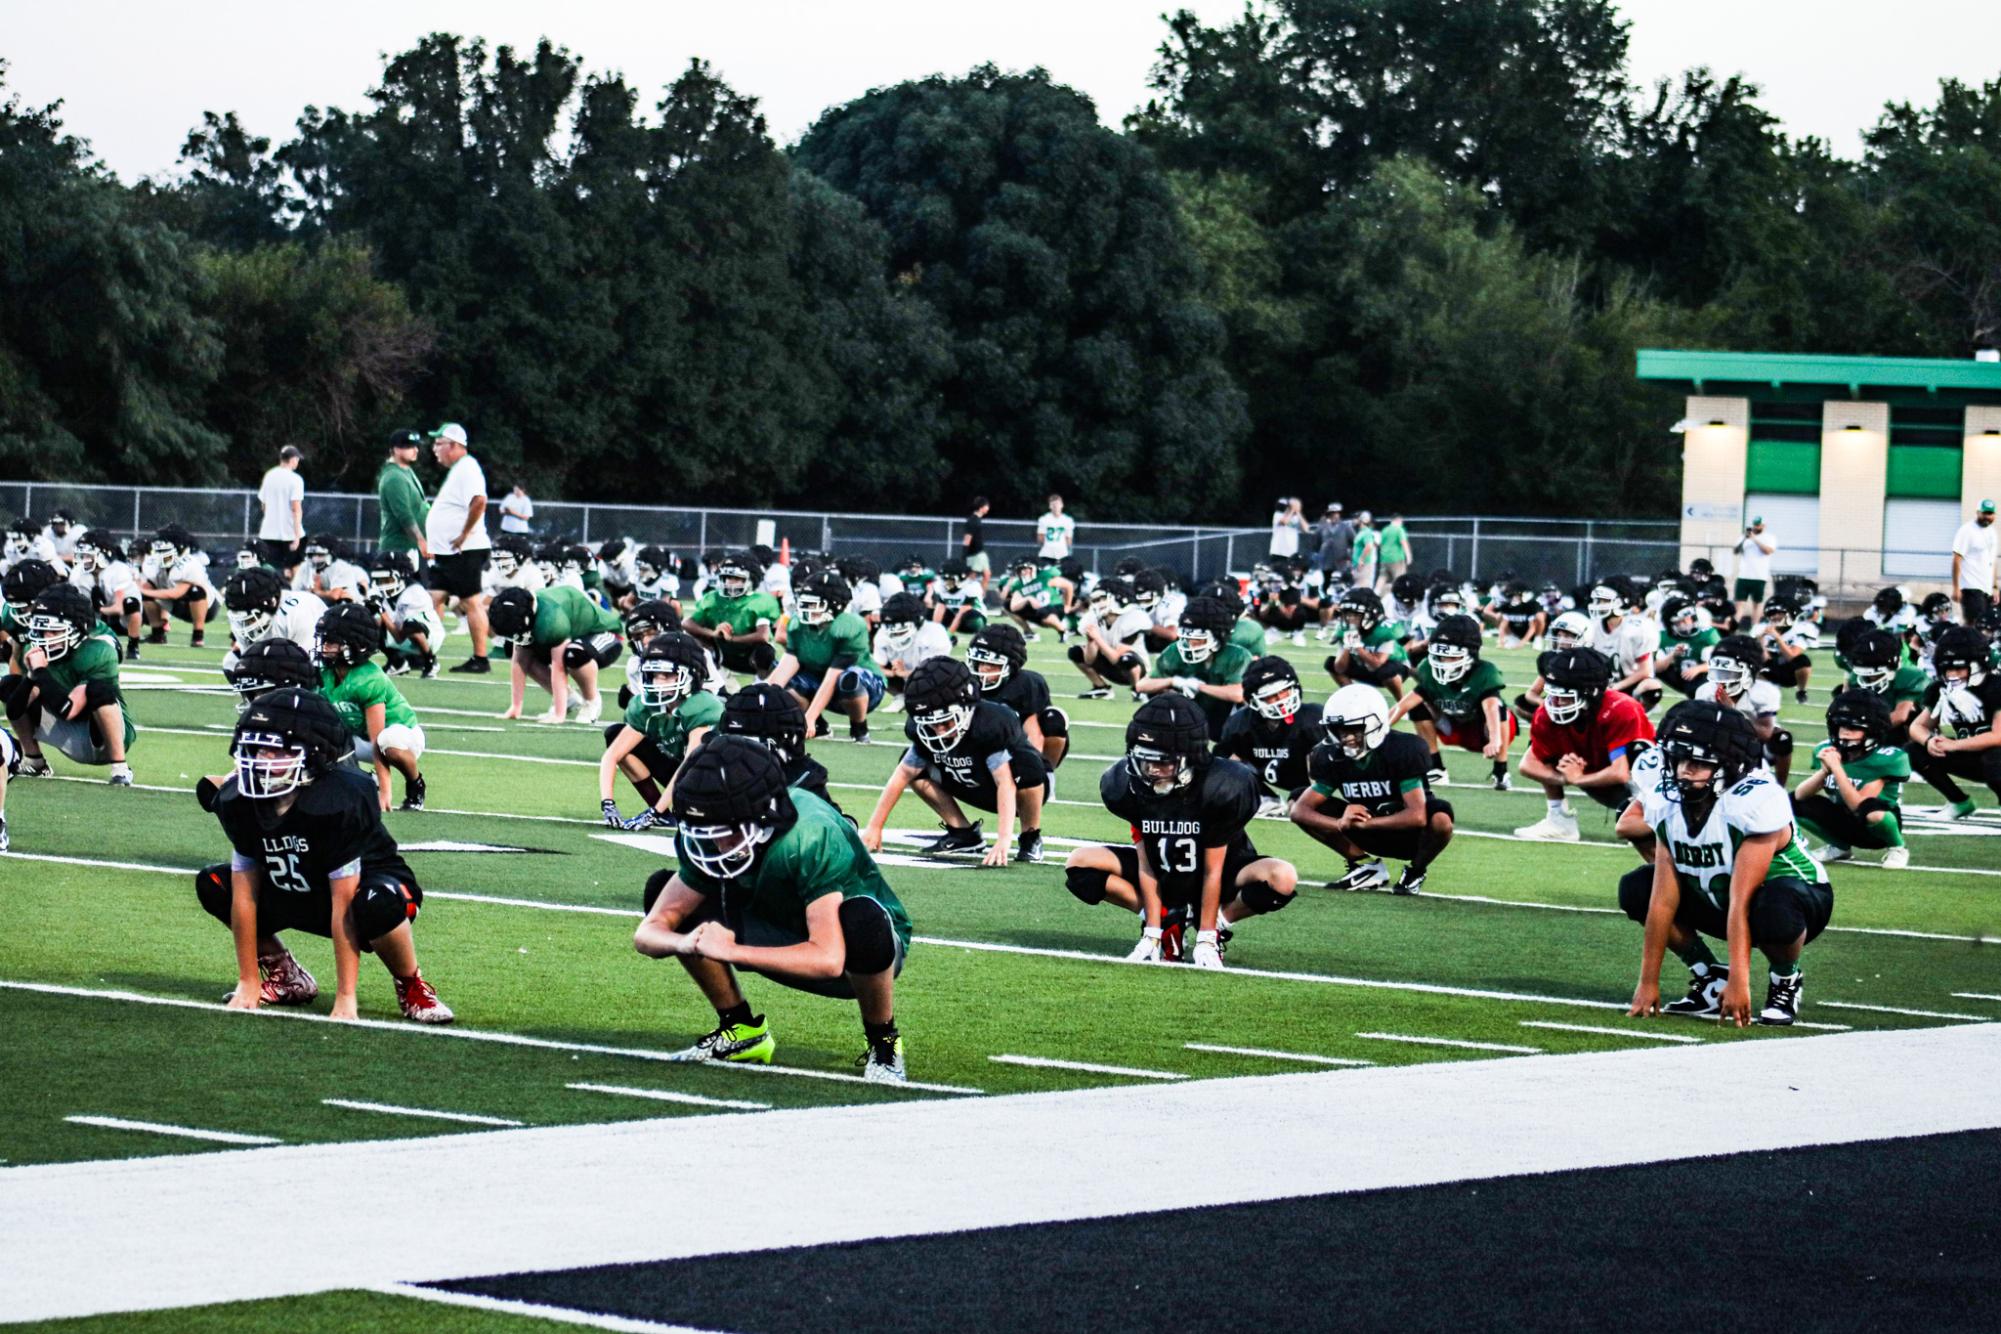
x=751 y=1043
x=878 y=1070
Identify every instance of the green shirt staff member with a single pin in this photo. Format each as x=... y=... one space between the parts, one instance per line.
x=775 y=881
x=400 y=498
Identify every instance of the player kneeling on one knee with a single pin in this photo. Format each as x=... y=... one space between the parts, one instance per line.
x=773 y=881
x=309 y=853
x=1582 y=736
x=965 y=749
x=1729 y=863
x=1369 y=797
x=1191 y=862
x=669 y=715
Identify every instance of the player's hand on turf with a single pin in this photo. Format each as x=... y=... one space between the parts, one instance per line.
x=1206 y=955
x=245 y=997
x=552 y=717
x=646 y=819
x=1736 y=1002
x=712 y=940
x=344 y=1007
x=611 y=816
x=1148 y=949
x=1646 y=1000
x=872 y=837
x=513 y=712
x=1495 y=749
x=996 y=855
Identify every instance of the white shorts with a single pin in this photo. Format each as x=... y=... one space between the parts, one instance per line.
x=72 y=739
x=397 y=736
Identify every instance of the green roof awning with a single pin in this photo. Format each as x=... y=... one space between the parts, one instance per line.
x=1816 y=375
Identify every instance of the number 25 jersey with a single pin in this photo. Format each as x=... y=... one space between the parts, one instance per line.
x=335 y=824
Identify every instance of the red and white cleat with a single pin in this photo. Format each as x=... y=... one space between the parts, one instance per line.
x=286 y=981
x=420 y=1003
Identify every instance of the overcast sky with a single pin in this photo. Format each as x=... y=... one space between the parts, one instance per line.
x=136 y=76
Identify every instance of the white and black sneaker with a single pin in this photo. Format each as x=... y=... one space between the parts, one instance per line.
x=35 y=766
x=1438 y=776
x=1410 y=882
x=1782 y=1000
x=1029 y=849
x=1096 y=692
x=1362 y=875
x=1705 y=993
x=963 y=841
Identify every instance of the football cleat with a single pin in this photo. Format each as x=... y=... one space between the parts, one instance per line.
x=891 y=704
x=1502 y=782
x=1896 y=859
x=1096 y=692
x=1832 y=852
x=1782 y=1000
x=1273 y=808
x=413 y=794
x=158 y=635
x=592 y=710
x=195 y=640
x=285 y=980
x=858 y=733
x=821 y=727
x=1799 y=696
x=1705 y=994
x=1551 y=829
x=960 y=842
x=35 y=766
x=121 y=775
x=1029 y=849
x=1363 y=875
x=431 y=669
x=1172 y=943
x=1437 y=776
x=1410 y=882
x=880 y=1068
x=420 y=1002
x=1299 y=638
x=1958 y=810
x=749 y=1043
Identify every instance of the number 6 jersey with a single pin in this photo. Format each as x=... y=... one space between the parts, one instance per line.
x=1211 y=812
x=1704 y=858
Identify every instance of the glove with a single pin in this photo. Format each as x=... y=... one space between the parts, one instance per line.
x=1188 y=686
x=611 y=816
x=1206 y=954
x=646 y=819
x=1148 y=949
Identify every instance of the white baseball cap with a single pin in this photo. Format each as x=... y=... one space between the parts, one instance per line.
x=451 y=431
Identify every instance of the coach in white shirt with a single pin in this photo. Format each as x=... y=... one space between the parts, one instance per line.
x=1973 y=564
x=1057 y=530
x=283 y=494
x=1754 y=569
x=456 y=532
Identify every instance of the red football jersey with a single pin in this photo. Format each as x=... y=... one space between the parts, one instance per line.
x=1620 y=722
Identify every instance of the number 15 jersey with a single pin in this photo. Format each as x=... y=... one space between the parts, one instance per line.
x=1211 y=812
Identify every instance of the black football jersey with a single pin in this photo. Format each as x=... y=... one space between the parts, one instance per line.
x=809 y=775
x=1211 y=812
x=1276 y=752
x=967 y=768
x=1377 y=782
x=336 y=820
x=1968 y=710
x=1025 y=692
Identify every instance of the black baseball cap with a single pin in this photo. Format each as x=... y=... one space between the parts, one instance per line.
x=406 y=439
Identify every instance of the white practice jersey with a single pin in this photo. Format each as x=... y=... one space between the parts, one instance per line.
x=527 y=574
x=866 y=599
x=777 y=581
x=1645 y=771
x=110 y=586
x=64 y=546
x=1628 y=644
x=1905 y=619
x=665 y=586
x=1167 y=610
x=1704 y=858
x=414 y=604
x=931 y=642
x=341 y=576
x=297 y=619
x=1128 y=627
x=189 y=569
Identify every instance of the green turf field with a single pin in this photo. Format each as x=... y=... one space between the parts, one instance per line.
x=110 y=975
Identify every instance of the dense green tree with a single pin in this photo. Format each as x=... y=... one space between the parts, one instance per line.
x=233 y=192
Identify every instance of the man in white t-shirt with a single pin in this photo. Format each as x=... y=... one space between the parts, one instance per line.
x=1057 y=531
x=456 y=532
x=1973 y=564
x=1754 y=570
x=283 y=495
x=517 y=511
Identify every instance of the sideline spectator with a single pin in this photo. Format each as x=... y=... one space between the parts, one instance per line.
x=283 y=493
x=1287 y=524
x=1754 y=570
x=399 y=500
x=1973 y=564
x=516 y=511
x=1394 y=555
x=1057 y=531
x=456 y=530
x=974 y=541
x=1362 y=555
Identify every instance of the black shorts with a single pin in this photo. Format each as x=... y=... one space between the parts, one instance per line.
x=1391 y=670
x=1783 y=907
x=1833 y=821
x=457 y=574
x=1234 y=862
x=736 y=656
x=182 y=609
x=1784 y=672
x=1399 y=845
x=647 y=752
x=986 y=797
x=278 y=553
x=753 y=930
x=603 y=649
x=384 y=900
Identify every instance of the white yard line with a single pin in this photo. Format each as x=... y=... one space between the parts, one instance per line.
x=427 y=1113
x=1451 y=1042
x=1976 y=995
x=1300 y=1056
x=178 y=1132
x=561 y=1315
x=1916 y=1014
x=1086 y=1067
x=1613 y=1032
x=666 y=1095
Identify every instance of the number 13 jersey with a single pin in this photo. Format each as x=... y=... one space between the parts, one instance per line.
x=1212 y=811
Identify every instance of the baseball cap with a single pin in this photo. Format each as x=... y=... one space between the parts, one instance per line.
x=291 y=452
x=1333 y=507
x=451 y=431
x=1986 y=507
x=1757 y=519
x=406 y=439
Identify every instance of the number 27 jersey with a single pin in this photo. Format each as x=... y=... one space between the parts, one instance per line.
x=1705 y=857
x=1211 y=812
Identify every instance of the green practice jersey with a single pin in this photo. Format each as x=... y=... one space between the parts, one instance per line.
x=1460 y=701
x=840 y=643
x=1388 y=637
x=669 y=730
x=742 y=615
x=1910 y=683
x=1697 y=645
x=361 y=689
x=563 y=614
x=1888 y=763
x=93 y=660
x=1224 y=667
x=1248 y=634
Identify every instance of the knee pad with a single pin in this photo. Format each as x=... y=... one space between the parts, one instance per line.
x=576 y=655
x=1781 y=742
x=133 y=606
x=213 y=890
x=12 y=687
x=870 y=941
x=97 y=694
x=1127 y=669
x=1087 y=883
x=611 y=732
x=1870 y=806
x=1055 y=722
x=1260 y=897
x=380 y=908
x=1333 y=664
x=654 y=884
x=1077 y=654
x=1636 y=891
x=206 y=791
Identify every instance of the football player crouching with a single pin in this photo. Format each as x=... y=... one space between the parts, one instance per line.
x=962 y=600
x=260 y=607
x=998 y=657
x=272 y=664
x=330 y=574
x=19 y=587
x=10 y=764
x=1853 y=798
x=111 y=584
x=1686 y=639
x=1191 y=864
x=825 y=652
x=1877 y=661
x=1730 y=864
x=1202 y=664
x=1582 y=737
x=308 y=852
x=1037 y=598
x=557 y=635
x=1965 y=701
x=1627 y=639
x=411 y=630
x=1112 y=631
x=1369 y=797
x=1372 y=650
x=66 y=695
x=908 y=636
x=382 y=725
x=176 y=584
x=654 y=578
x=1735 y=680
x=669 y=715
x=1274 y=733
x=964 y=749
x=772 y=717
x=1455 y=696
x=734 y=621
x=772 y=880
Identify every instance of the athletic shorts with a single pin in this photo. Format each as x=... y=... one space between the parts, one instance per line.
x=181 y=609
x=278 y=553
x=1832 y=821
x=79 y=740
x=1234 y=862
x=458 y=574
x=1753 y=589
x=753 y=930
x=1392 y=669
x=1399 y=845
x=1781 y=909
x=603 y=649
x=385 y=899
x=980 y=563
x=1468 y=734
x=396 y=736
x=852 y=681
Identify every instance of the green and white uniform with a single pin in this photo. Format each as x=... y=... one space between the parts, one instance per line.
x=93 y=662
x=669 y=729
x=1037 y=590
x=1909 y=684
x=1248 y=634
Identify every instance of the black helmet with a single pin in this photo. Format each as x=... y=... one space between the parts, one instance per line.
x=59 y=619
x=1961 y=646
x=1711 y=734
x=671 y=667
x=512 y=615
x=769 y=714
x=1149 y=587
x=738 y=575
x=173 y=540
x=1575 y=680
x=1071 y=568
x=1167 y=742
x=1271 y=689
x=1210 y=619
x=25 y=582
x=272 y=664
x=1453 y=648
x=1407 y=588
x=940 y=697
x=1363 y=607
x=730 y=799
x=1681 y=616
x=321 y=550
x=1937 y=609
x=1112 y=596
x=652 y=562
x=510 y=552
x=388 y=575
x=903 y=607
x=1888 y=602
x=348 y=634
x=996 y=653
x=1780 y=610
x=643 y=620
x=285 y=739
x=97 y=545
x=1864 y=711
x=1874 y=659
x=858 y=569
x=1226 y=592
x=824 y=596
x=955 y=569
x=252 y=597
x=1735 y=663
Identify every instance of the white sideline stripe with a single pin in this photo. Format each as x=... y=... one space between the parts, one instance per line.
x=428 y=810
x=629 y=914
x=561 y=1315
x=1301 y=1056
x=1451 y=1042
x=389 y=1109
x=1916 y=1014
x=179 y=1132
x=565 y=1196
x=1087 y=1067
x=1614 y=1032
x=1976 y=995
x=664 y=1095
x=464 y=1035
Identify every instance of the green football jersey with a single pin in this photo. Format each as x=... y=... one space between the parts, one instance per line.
x=1698 y=644
x=1910 y=683
x=840 y=643
x=563 y=613
x=1248 y=634
x=93 y=660
x=362 y=688
x=1460 y=701
x=742 y=615
x=1888 y=763
x=1036 y=590
x=669 y=729
x=1224 y=667
x=1388 y=637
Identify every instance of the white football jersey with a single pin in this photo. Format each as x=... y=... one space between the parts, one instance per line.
x=1965 y=710
x=777 y=582
x=298 y=619
x=1905 y=619
x=1645 y=771
x=665 y=587
x=932 y=642
x=341 y=576
x=528 y=574
x=189 y=569
x=1128 y=627
x=1167 y=610
x=866 y=599
x=1628 y=644
x=414 y=604
x=1704 y=858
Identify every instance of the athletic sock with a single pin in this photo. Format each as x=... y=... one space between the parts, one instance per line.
x=1785 y=969
x=649 y=792
x=1556 y=810
x=1436 y=761
x=881 y=1037
x=1500 y=768
x=1695 y=954
x=736 y=1014
x=1891 y=827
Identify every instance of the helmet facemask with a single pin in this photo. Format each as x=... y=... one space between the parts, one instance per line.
x=939 y=730
x=55 y=636
x=318 y=556
x=724 y=851
x=246 y=559
x=813 y=609
x=1729 y=675
x=1198 y=645
x=899 y=635
x=664 y=685
x=1564 y=704
x=250 y=626
x=1449 y=662
x=733 y=581
x=1874 y=678
x=269 y=765
x=1568 y=631
x=386 y=584
x=1604 y=603
x=989 y=669
x=1277 y=701
x=1163 y=772
x=504 y=562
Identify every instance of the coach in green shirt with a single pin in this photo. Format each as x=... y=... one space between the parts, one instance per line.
x=401 y=499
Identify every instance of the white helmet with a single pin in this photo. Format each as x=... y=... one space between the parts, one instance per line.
x=1356 y=707
x=1570 y=630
